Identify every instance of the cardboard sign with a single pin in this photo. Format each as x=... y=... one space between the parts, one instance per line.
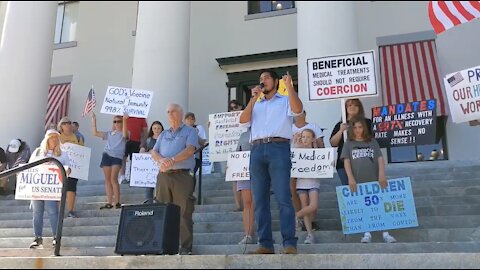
x=144 y=171
x=238 y=166
x=412 y=123
x=373 y=209
x=312 y=162
x=224 y=133
x=79 y=157
x=40 y=183
x=463 y=94
x=119 y=100
x=342 y=76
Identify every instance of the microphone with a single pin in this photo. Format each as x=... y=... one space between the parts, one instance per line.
x=261 y=85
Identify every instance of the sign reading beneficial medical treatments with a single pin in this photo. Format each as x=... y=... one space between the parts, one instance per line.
x=312 y=162
x=40 y=183
x=79 y=157
x=224 y=133
x=135 y=102
x=342 y=76
x=463 y=94
x=238 y=166
x=371 y=208
x=412 y=123
x=144 y=171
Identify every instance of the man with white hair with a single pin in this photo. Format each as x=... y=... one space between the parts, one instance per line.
x=174 y=151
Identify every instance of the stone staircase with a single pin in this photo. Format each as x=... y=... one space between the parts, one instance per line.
x=447 y=197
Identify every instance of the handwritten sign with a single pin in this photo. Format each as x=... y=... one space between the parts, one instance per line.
x=372 y=209
x=133 y=101
x=238 y=166
x=312 y=162
x=342 y=76
x=144 y=171
x=40 y=183
x=224 y=133
x=412 y=123
x=79 y=157
x=463 y=94
x=207 y=165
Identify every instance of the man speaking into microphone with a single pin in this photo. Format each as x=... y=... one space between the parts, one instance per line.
x=271 y=119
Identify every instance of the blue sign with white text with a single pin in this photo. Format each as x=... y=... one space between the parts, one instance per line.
x=372 y=208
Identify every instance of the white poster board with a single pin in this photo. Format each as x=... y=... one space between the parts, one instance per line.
x=463 y=94
x=342 y=76
x=238 y=166
x=207 y=165
x=144 y=171
x=312 y=162
x=42 y=182
x=224 y=133
x=79 y=157
x=135 y=102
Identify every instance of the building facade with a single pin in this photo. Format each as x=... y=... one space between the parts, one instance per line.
x=204 y=54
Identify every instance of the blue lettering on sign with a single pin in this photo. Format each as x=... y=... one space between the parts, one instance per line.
x=372 y=208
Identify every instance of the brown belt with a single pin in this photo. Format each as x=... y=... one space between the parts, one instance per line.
x=178 y=170
x=270 y=139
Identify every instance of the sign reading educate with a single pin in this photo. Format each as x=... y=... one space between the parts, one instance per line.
x=342 y=76
x=135 y=102
x=40 y=183
x=224 y=133
x=312 y=162
x=79 y=157
x=371 y=208
x=412 y=123
x=144 y=171
x=238 y=166
x=463 y=94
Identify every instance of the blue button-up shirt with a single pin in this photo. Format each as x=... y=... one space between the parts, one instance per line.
x=170 y=143
x=272 y=118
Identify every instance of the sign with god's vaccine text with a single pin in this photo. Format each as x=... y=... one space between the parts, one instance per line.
x=135 y=102
x=79 y=159
x=40 y=183
x=224 y=133
x=144 y=171
x=312 y=163
x=371 y=208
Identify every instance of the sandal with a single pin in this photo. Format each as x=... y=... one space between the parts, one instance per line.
x=106 y=206
x=118 y=206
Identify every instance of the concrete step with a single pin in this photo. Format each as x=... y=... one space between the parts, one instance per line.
x=48 y=251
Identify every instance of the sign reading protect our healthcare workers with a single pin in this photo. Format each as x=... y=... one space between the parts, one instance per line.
x=144 y=171
x=342 y=76
x=224 y=133
x=463 y=94
x=371 y=208
x=135 y=102
x=40 y=183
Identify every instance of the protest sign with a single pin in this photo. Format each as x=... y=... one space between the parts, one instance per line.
x=342 y=76
x=238 y=166
x=144 y=171
x=312 y=162
x=79 y=157
x=463 y=94
x=412 y=123
x=40 y=183
x=371 y=208
x=119 y=100
x=224 y=133
x=207 y=165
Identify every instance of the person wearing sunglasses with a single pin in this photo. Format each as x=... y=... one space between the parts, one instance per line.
x=112 y=156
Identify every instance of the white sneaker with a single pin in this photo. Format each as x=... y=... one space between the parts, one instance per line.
x=367 y=238
x=298 y=225
x=389 y=239
x=246 y=240
x=310 y=239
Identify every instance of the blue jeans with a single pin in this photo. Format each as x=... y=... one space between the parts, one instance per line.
x=270 y=164
x=38 y=210
x=342 y=174
x=149 y=193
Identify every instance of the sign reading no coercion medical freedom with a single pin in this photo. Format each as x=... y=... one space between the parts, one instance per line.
x=119 y=100
x=412 y=123
x=342 y=76
x=371 y=208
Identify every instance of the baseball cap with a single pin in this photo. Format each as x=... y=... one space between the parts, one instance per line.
x=14 y=146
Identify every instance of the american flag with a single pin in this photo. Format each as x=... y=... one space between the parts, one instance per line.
x=90 y=103
x=447 y=14
x=455 y=79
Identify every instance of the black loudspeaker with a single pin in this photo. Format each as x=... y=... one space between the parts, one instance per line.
x=149 y=229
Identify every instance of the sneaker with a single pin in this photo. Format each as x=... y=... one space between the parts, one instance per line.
x=72 y=214
x=389 y=239
x=367 y=238
x=118 y=206
x=37 y=243
x=185 y=252
x=246 y=240
x=310 y=239
x=54 y=242
x=298 y=225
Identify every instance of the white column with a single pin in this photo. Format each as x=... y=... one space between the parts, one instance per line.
x=161 y=58
x=26 y=49
x=323 y=29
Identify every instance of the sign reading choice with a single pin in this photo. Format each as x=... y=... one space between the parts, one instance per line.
x=342 y=76
x=411 y=123
x=224 y=133
x=371 y=208
x=133 y=101
x=39 y=183
x=463 y=94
